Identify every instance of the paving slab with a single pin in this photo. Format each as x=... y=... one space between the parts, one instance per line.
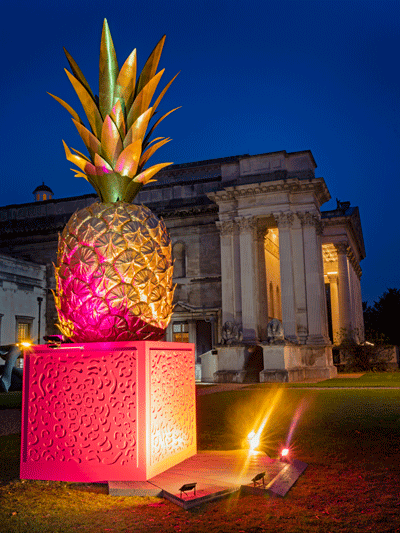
x=216 y=475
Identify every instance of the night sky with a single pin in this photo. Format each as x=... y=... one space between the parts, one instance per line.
x=256 y=77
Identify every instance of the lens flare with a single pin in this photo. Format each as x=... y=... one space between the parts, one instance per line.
x=254 y=440
x=284 y=454
x=295 y=419
x=254 y=436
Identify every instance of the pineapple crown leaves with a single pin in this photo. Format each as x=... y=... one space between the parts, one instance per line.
x=119 y=117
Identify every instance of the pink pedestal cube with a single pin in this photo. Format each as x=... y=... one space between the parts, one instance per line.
x=107 y=411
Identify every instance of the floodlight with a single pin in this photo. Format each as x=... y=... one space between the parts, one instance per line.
x=259 y=479
x=186 y=487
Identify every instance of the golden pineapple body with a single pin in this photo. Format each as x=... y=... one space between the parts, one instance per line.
x=114 y=274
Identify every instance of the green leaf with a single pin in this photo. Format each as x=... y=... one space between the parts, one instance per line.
x=90 y=108
x=143 y=99
x=151 y=65
x=67 y=107
x=146 y=139
x=108 y=72
x=76 y=71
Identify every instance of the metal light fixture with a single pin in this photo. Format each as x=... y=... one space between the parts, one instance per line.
x=186 y=487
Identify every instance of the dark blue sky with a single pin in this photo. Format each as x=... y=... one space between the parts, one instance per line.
x=256 y=77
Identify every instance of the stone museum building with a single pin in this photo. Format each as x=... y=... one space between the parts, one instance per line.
x=250 y=244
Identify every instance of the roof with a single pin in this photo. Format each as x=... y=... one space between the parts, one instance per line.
x=42 y=187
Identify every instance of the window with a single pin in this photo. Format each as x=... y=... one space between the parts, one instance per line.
x=180 y=332
x=23 y=329
x=179 y=257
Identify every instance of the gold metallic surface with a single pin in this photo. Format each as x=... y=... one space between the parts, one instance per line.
x=143 y=99
x=88 y=104
x=118 y=119
x=111 y=265
x=114 y=266
x=108 y=72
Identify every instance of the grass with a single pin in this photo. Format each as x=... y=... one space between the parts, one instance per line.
x=350 y=438
x=10 y=400
x=369 y=379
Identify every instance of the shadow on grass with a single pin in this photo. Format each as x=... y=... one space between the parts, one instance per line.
x=10 y=446
x=11 y=400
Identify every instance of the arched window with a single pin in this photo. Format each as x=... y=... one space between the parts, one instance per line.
x=179 y=257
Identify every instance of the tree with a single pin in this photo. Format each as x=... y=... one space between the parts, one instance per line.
x=382 y=319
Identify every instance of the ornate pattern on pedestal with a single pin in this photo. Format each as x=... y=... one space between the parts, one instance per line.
x=82 y=409
x=107 y=411
x=172 y=428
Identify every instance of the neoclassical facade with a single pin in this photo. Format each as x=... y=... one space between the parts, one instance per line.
x=250 y=243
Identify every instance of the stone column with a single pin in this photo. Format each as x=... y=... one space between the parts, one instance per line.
x=344 y=289
x=333 y=283
x=299 y=279
x=262 y=284
x=285 y=221
x=356 y=299
x=230 y=272
x=248 y=274
x=316 y=300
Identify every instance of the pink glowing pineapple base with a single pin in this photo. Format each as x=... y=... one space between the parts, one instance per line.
x=107 y=411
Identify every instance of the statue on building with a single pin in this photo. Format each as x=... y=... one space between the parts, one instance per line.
x=275 y=333
x=231 y=333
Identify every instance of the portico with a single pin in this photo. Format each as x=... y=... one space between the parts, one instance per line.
x=277 y=261
x=271 y=258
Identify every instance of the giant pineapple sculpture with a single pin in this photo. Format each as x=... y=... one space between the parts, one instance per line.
x=114 y=267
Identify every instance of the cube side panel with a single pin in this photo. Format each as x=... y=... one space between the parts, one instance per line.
x=79 y=413
x=172 y=429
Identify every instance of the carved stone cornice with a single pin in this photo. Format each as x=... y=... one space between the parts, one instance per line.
x=316 y=185
x=226 y=227
x=284 y=220
x=354 y=263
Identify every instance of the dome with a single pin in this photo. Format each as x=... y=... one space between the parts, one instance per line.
x=43 y=192
x=43 y=188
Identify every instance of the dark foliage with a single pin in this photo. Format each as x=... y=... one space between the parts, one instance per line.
x=382 y=319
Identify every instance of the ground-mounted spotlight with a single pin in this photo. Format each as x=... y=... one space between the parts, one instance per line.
x=259 y=479
x=186 y=487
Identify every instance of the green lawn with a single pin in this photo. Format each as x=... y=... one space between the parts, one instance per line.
x=10 y=400
x=350 y=438
x=369 y=379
